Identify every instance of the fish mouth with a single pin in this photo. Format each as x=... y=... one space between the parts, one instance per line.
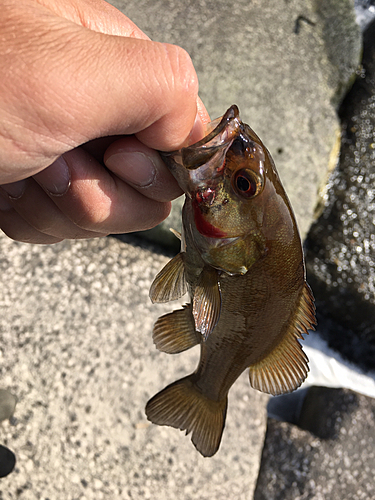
x=199 y=169
x=204 y=161
x=214 y=145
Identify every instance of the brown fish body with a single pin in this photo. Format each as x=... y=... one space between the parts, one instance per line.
x=254 y=318
x=246 y=278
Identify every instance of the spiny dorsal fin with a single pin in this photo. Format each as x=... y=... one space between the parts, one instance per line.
x=170 y=283
x=286 y=367
x=183 y=406
x=207 y=301
x=175 y=332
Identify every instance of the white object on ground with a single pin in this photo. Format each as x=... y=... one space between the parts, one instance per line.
x=329 y=369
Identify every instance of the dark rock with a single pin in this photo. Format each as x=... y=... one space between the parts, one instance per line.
x=334 y=459
x=7 y=461
x=287 y=407
x=326 y=411
x=341 y=244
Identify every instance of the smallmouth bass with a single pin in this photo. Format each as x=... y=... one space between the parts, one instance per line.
x=242 y=263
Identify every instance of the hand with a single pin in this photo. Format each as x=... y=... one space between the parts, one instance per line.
x=86 y=99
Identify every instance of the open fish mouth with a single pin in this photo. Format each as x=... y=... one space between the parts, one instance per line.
x=213 y=147
x=204 y=161
x=199 y=168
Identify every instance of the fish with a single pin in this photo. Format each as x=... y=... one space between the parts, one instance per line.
x=242 y=264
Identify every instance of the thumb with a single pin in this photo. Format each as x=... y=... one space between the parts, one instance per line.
x=65 y=84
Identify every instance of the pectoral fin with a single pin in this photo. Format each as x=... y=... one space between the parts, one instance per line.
x=175 y=332
x=207 y=302
x=170 y=283
x=286 y=367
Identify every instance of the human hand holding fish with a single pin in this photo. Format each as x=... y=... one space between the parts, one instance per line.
x=241 y=262
x=86 y=100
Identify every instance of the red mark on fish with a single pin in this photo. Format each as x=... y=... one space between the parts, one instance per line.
x=205 y=227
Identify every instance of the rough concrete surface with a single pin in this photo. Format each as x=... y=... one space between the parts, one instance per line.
x=286 y=64
x=76 y=350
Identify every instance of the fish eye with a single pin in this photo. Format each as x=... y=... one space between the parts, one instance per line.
x=247 y=183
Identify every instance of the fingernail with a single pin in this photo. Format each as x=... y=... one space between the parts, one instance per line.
x=4 y=204
x=15 y=189
x=133 y=167
x=56 y=178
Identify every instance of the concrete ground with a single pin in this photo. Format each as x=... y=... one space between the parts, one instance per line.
x=76 y=350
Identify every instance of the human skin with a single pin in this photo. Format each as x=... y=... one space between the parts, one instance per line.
x=86 y=101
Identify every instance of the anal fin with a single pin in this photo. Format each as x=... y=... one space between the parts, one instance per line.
x=170 y=283
x=286 y=366
x=183 y=406
x=175 y=332
x=207 y=301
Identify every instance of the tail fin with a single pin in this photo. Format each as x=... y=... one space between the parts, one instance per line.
x=183 y=406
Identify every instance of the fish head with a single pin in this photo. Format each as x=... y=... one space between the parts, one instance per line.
x=232 y=194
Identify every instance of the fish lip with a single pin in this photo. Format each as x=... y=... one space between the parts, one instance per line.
x=226 y=131
x=194 y=165
x=231 y=115
x=221 y=137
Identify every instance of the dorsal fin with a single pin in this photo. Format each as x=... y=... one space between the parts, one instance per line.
x=175 y=332
x=207 y=301
x=286 y=367
x=170 y=283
